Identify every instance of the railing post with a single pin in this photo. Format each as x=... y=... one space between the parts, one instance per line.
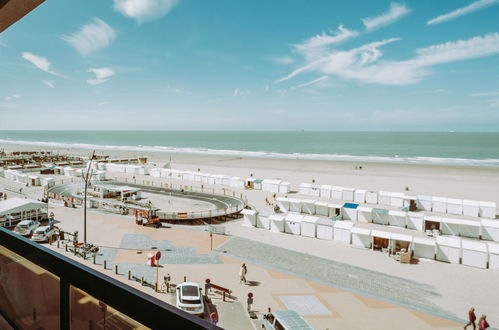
x=105 y=264
x=64 y=304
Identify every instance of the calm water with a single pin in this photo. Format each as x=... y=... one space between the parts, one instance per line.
x=410 y=147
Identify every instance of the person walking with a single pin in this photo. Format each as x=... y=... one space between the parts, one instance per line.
x=249 y=301
x=482 y=323
x=471 y=319
x=242 y=274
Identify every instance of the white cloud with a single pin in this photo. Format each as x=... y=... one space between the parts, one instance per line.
x=144 y=10
x=283 y=60
x=485 y=94
x=40 y=62
x=100 y=104
x=312 y=82
x=12 y=97
x=477 y=5
x=235 y=92
x=396 y=11
x=3 y=43
x=49 y=83
x=363 y=64
x=91 y=37
x=101 y=75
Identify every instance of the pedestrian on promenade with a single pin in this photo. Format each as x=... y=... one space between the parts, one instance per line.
x=249 y=301
x=242 y=274
x=471 y=318
x=214 y=318
x=482 y=323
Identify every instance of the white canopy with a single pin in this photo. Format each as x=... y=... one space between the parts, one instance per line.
x=361 y=231
x=17 y=205
x=381 y=234
x=401 y=237
x=343 y=224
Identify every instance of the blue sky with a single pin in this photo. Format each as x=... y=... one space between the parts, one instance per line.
x=224 y=64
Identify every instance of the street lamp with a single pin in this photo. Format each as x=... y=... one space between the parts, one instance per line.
x=86 y=178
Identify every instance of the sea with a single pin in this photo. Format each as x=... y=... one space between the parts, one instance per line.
x=444 y=148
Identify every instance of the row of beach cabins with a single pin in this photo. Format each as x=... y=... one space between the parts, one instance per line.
x=449 y=249
x=483 y=209
x=26 y=179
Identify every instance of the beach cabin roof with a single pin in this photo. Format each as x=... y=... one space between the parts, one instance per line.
x=285 y=183
x=343 y=224
x=348 y=189
x=364 y=209
x=424 y=241
x=361 y=231
x=490 y=223
x=250 y=179
x=324 y=221
x=449 y=241
x=337 y=188
x=382 y=211
x=401 y=237
x=295 y=217
x=433 y=218
x=397 y=194
x=381 y=234
x=294 y=200
x=493 y=248
x=360 y=190
x=282 y=199
x=487 y=204
x=311 y=219
x=308 y=201
x=319 y=203
x=425 y=198
x=276 y=217
x=470 y=202
x=454 y=201
x=409 y=197
x=397 y=213
x=271 y=181
x=385 y=193
x=16 y=205
x=306 y=185
x=248 y=212
x=266 y=213
x=474 y=245
x=439 y=199
x=460 y=222
x=350 y=205
x=415 y=214
x=326 y=186
x=336 y=206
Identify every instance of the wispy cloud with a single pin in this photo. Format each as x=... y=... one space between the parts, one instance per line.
x=144 y=10
x=235 y=92
x=101 y=75
x=49 y=83
x=363 y=63
x=12 y=97
x=40 y=62
x=3 y=43
x=310 y=83
x=485 y=94
x=91 y=37
x=395 y=12
x=474 y=6
x=283 y=60
x=172 y=89
x=103 y=103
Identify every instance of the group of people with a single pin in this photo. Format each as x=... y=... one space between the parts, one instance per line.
x=482 y=322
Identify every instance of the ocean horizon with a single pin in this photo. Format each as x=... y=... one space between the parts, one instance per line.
x=444 y=148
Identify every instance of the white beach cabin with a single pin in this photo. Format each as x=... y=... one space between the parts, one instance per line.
x=283 y=203
x=380 y=216
x=348 y=194
x=284 y=187
x=470 y=228
x=415 y=220
x=271 y=185
x=341 y=232
x=236 y=182
x=384 y=198
x=397 y=218
x=493 y=255
x=371 y=197
x=315 y=190
x=364 y=214
x=292 y=223
x=309 y=226
x=449 y=226
x=424 y=202
x=361 y=237
x=321 y=208
x=424 y=248
x=337 y=192
x=455 y=206
x=439 y=204
x=449 y=249
x=359 y=196
x=277 y=223
x=471 y=208
x=397 y=199
x=487 y=209
x=304 y=189
x=400 y=242
x=490 y=230
x=335 y=211
x=263 y=220
x=249 y=217
x=350 y=211
x=381 y=240
x=474 y=254
x=308 y=206
x=326 y=191
x=432 y=222
x=294 y=205
x=325 y=228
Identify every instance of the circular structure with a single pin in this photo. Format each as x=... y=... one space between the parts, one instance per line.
x=169 y=204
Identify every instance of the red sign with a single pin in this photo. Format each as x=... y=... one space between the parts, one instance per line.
x=158 y=255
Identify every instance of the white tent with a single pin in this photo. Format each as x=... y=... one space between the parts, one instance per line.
x=15 y=209
x=454 y=206
x=384 y=198
x=359 y=196
x=399 y=242
x=364 y=214
x=397 y=199
x=381 y=240
x=277 y=223
x=439 y=204
x=337 y=192
x=380 y=216
x=271 y=185
x=335 y=211
x=490 y=230
x=348 y=194
x=361 y=237
x=326 y=191
x=342 y=231
x=424 y=247
x=350 y=211
x=308 y=206
x=304 y=189
x=284 y=187
x=283 y=203
x=325 y=228
x=424 y=202
x=315 y=190
x=487 y=209
x=415 y=220
x=474 y=254
x=263 y=220
x=249 y=217
x=294 y=205
x=493 y=255
x=372 y=197
x=309 y=226
x=471 y=208
x=397 y=218
x=292 y=223
x=448 y=249
x=321 y=208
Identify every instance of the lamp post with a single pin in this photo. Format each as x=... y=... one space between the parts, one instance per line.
x=86 y=178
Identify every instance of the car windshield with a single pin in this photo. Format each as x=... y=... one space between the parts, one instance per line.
x=191 y=302
x=40 y=231
x=23 y=226
x=190 y=290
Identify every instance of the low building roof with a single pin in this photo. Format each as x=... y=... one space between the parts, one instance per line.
x=16 y=205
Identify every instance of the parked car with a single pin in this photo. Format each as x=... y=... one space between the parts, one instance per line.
x=26 y=227
x=190 y=299
x=43 y=234
x=285 y=320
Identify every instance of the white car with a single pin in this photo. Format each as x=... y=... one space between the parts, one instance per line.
x=26 y=227
x=285 y=320
x=190 y=299
x=43 y=234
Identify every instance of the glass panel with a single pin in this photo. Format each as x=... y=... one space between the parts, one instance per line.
x=90 y=313
x=29 y=295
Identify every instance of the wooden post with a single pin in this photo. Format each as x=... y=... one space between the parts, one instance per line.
x=116 y=269
x=129 y=275
x=105 y=264
x=224 y=295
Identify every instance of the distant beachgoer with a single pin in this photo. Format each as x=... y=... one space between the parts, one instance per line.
x=406 y=188
x=360 y=167
x=249 y=301
x=471 y=318
x=20 y=190
x=242 y=274
x=482 y=323
x=275 y=195
x=214 y=318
